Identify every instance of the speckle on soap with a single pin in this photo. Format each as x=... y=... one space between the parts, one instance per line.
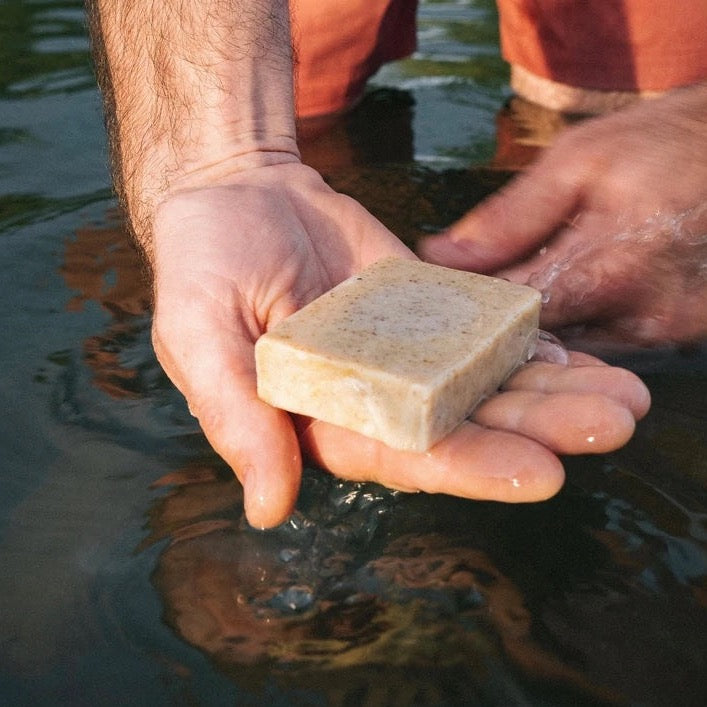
x=401 y=352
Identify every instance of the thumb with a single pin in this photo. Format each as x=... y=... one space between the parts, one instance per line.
x=510 y=223
x=256 y=440
x=259 y=443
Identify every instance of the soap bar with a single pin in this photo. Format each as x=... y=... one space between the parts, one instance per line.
x=401 y=352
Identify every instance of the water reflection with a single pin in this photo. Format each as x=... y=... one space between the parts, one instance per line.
x=100 y=265
x=450 y=600
x=348 y=588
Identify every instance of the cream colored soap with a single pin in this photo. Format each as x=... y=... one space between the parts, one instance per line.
x=401 y=352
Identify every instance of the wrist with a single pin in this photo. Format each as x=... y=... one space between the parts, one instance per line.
x=218 y=139
x=216 y=165
x=195 y=90
x=155 y=178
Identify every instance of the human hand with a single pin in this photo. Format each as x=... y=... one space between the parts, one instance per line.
x=610 y=224
x=233 y=260
x=229 y=262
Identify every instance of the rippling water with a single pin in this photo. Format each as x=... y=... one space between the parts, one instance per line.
x=128 y=571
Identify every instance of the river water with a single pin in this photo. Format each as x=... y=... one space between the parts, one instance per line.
x=128 y=573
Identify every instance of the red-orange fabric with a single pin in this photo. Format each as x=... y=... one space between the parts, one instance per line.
x=606 y=45
x=340 y=44
x=609 y=45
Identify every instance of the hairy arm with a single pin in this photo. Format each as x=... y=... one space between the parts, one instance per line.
x=186 y=85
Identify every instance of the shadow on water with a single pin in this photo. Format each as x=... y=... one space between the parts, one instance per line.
x=129 y=569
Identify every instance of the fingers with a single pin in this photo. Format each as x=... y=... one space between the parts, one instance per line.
x=567 y=423
x=585 y=273
x=587 y=407
x=508 y=452
x=510 y=223
x=471 y=462
x=586 y=375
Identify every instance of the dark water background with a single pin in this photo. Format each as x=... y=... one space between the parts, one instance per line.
x=127 y=574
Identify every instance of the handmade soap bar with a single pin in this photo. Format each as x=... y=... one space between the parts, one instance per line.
x=401 y=352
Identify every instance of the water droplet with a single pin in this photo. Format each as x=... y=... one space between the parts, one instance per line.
x=550 y=349
x=287 y=554
x=293 y=599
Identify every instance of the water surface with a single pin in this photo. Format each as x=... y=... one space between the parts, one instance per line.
x=129 y=573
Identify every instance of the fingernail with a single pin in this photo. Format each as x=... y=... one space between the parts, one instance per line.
x=433 y=246
x=443 y=250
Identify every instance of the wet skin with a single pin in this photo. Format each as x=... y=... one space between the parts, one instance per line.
x=609 y=223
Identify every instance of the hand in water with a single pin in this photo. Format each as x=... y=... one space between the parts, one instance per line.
x=232 y=260
x=610 y=223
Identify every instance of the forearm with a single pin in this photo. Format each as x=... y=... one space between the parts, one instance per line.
x=194 y=90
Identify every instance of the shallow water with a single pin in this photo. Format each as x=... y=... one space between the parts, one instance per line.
x=128 y=572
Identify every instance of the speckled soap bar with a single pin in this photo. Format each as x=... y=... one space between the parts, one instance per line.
x=401 y=352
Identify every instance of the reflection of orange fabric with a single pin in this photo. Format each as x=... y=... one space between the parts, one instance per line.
x=608 y=45
x=341 y=43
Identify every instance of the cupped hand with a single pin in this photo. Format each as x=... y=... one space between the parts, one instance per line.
x=229 y=262
x=232 y=260
x=610 y=224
